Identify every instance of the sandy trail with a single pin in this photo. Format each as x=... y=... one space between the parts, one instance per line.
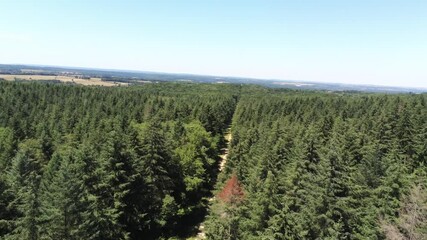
x=225 y=150
x=227 y=136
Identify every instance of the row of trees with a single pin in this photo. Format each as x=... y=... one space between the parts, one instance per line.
x=108 y=163
x=325 y=166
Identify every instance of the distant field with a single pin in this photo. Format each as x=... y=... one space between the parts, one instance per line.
x=65 y=79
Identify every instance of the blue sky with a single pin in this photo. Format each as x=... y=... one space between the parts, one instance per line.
x=380 y=42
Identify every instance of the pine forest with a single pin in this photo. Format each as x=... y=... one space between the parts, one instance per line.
x=144 y=162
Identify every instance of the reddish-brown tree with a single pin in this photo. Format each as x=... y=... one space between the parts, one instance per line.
x=232 y=191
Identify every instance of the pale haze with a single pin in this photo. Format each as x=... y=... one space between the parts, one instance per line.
x=381 y=42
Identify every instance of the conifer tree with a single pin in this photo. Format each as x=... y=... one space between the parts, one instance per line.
x=7 y=147
x=158 y=172
x=24 y=179
x=60 y=213
x=7 y=212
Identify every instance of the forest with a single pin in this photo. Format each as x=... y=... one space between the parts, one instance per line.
x=142 y=162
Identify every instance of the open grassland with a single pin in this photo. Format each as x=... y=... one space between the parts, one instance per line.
x=65 y=79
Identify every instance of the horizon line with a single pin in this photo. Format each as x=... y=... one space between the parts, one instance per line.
x=210 y=75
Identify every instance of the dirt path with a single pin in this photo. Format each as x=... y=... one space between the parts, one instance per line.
x=224 y=155
x=225 y=150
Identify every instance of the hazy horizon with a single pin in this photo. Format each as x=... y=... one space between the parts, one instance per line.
x=211 y=75
x=352 y=42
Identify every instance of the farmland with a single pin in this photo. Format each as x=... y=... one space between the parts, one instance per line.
x=63 y=79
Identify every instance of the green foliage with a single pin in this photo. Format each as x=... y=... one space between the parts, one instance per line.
x=24 y=178
x=7 y=146
x=108 y=163
x=321 y=165
x=141 y=162
x=195 y=157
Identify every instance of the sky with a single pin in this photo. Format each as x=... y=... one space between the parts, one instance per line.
x=381 y=42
